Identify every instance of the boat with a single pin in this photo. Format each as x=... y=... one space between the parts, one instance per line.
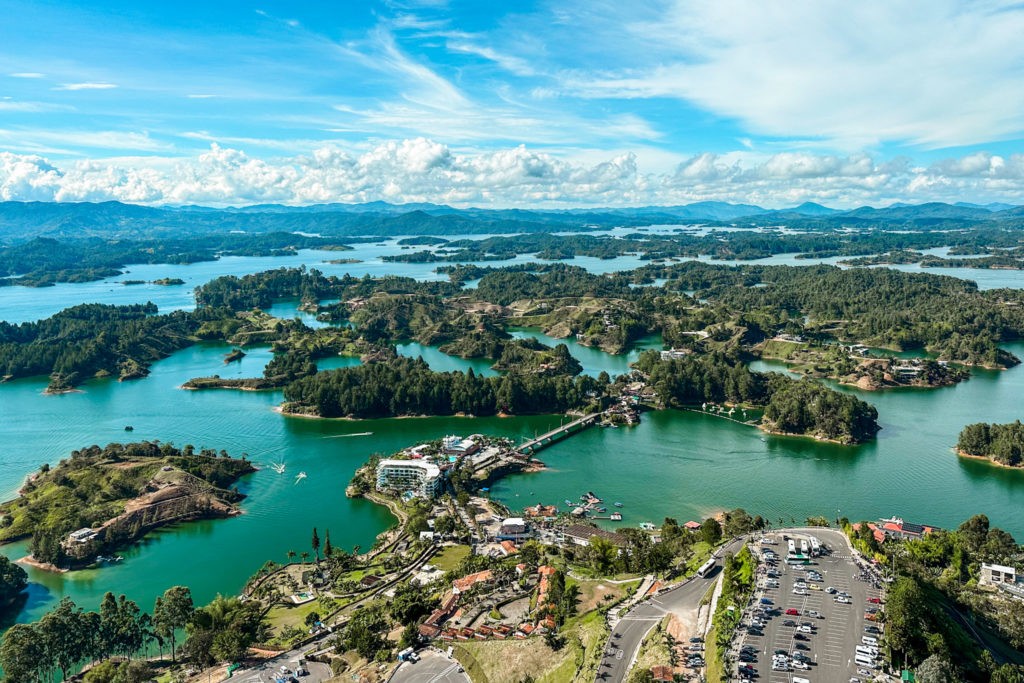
x=647 y=526
x=617 y=504
x=299 y=477
x=129 y=428
x=616 y=517
x=568 y=502
x=278 y=467
x=600 y=509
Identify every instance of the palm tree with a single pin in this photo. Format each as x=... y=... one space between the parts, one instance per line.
x=291 y=555
x=305 y=556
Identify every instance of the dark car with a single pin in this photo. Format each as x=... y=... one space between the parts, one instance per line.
x=789 y=622
x=800 y=636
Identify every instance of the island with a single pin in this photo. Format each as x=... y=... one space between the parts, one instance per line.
x=102 y=499
x=854 y=364
x=1000 y=444
x=167 y=281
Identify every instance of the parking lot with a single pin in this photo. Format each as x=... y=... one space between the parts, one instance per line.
x=802 y=618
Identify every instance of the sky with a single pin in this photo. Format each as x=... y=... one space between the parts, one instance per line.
x=529 y=103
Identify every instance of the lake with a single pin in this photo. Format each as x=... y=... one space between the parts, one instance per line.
x=683 y=465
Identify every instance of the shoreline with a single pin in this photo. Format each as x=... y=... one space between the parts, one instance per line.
x=987 y=459
x=42 y=566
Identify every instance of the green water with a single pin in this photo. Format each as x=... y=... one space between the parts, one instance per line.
x=213 y=556
x=673 y=464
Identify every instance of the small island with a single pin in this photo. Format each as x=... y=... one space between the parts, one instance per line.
x=168 y=281
x=851 y=364
x=102 y=499
x=1000 y=444
x=234 y=355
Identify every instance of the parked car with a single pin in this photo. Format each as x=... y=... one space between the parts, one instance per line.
x=793 y=612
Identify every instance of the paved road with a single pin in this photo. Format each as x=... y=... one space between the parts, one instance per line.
x=270 y=670
x=433 y=667
x=633 y=627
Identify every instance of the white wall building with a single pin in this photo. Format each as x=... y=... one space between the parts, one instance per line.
x=420 y=477
x=994 y=574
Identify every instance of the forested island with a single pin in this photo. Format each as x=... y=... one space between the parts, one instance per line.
x=100 y=499
x=43 y=245
x=823 y=314
x=1002 y=444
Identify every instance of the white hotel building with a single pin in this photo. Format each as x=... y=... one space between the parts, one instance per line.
x=422 y=478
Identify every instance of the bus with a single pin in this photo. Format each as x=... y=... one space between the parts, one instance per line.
x=815 y=546
x=706 y=568
x=792 y=547
x=803 y=546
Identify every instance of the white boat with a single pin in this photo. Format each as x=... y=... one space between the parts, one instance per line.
x=299 y=477
x=278 y=467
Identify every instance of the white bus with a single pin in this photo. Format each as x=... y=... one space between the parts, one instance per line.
x=815 y=546
x=706 y=568
x=792 y=547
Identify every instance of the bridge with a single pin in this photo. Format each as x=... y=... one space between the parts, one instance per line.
x=544 y=440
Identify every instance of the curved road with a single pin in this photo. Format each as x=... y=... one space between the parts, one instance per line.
x=631 y=630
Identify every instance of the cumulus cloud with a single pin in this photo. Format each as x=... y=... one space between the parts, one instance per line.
x=423 y=170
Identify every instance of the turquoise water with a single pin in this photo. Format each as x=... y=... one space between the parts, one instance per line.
x=679 y=464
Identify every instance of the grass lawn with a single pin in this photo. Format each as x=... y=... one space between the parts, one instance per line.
x=281 y=616
x=592 y=592
x=712 y=658
x=508 y=661
x=450 y=557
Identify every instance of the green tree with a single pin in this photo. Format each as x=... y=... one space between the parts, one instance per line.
x=13 y=581
x=711 y=531
x=22 y=653
x=172 y=611
x=937 y=669
x=315 y=544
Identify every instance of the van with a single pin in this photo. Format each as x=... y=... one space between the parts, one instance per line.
x=800 y=679
x=864 y=660
x=869 y=651
x=868 y=640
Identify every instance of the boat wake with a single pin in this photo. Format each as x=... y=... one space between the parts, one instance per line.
x=342 y=436
x=278 y=467
x=299 y=477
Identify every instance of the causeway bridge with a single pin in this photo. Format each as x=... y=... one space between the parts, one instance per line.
x=544 y=440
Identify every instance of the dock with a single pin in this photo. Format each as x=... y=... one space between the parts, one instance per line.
x=544 y=440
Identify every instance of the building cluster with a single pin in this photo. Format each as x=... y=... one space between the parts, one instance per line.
x=421 y=471
x=1002 y=577
x=897 y=528
x=444 y=623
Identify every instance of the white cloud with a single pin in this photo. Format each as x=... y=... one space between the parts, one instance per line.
x=424 y=170
x=27 y=74
x=86 y=86
x=850 y=74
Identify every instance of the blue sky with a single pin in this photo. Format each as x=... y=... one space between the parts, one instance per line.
x=538 y=104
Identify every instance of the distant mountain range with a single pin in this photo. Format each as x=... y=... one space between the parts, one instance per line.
x=22 y=220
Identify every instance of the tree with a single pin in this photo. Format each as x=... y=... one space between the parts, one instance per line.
x=172 y=611
x=315 y=544
x=937 y=669
x=328 y=550
x=711 y=531
x=13 y=580
x=603 y=554
x=906 y=613
x=22 y=653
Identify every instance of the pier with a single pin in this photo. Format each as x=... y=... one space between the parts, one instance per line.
x=544 y=440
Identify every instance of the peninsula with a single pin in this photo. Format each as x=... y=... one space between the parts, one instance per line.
x=102 y=499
